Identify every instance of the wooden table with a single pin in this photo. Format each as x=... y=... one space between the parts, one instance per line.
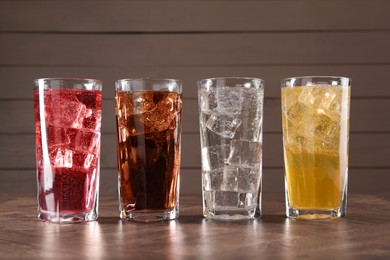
x=364 y=233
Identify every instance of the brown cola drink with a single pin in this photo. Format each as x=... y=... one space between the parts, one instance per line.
x=148 y=132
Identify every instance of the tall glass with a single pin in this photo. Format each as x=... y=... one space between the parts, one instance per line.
x=67 y=124
x=148 y=113
x=231 y=116
x=315 y=115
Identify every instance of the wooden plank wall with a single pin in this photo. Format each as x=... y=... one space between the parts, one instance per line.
x=191 y=40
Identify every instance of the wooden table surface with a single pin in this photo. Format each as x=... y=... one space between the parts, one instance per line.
x=363 y=234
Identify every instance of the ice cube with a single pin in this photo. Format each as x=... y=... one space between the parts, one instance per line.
x=248 y=200
x=295 y=139
x=250 y=153
x=212 y=180
x=226 y=199
x=251 y=114
x=229 y=100
x=245 y=153
x=167 y=104
x=256 y=98
x=248 y=180
x=61 y=157
x=214 y=157
x=208 y=102
x=325 y=127
x=67 y=114
x=231 y=175
x=160 y=118
x=56 y=135
x=141 y=102
x=130 y=109
x=90 y=141
x=308 y=95
x=295 y=113
x=89 y=98
x=322 y=97
x=324 y=133
x=314 y=133
x=92 y=119
x=82 y=140
x=223 y=125
x=84 y=159
x=327 y=100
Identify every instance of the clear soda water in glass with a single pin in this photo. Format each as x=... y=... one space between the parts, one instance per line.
x=231 y=117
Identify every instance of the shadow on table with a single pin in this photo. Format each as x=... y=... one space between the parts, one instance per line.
x=109 y=220
x=190 y=219
x=273 y=218
x=195 y=219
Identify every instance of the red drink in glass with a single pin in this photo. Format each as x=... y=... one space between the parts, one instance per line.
x=67 y=123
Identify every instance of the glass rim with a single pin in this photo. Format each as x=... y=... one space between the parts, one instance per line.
x=231 y=78
x=119 y=83
x=148 y=79
x=316 y=77
x=69 y=79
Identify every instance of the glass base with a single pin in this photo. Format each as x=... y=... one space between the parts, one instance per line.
x=68 y=217
x=314 y=213
x=231 y=214
x=150 y=215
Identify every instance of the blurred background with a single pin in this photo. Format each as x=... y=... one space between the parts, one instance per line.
x=191 y=40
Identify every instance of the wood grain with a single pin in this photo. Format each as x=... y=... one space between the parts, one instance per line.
x=192 y=16
x=362 y=234
x=368 y=81
x=188 y=49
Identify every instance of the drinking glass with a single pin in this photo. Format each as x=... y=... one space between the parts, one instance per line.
x=67 y=124
x=231 y=116
x=148 y=114
x=315 y=117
